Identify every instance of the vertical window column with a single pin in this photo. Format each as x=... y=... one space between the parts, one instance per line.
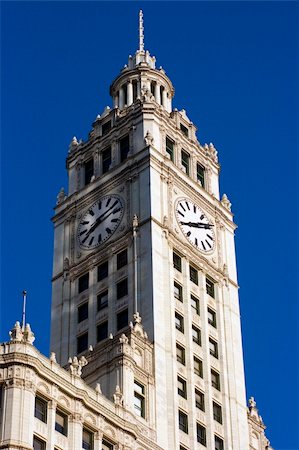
x=121 y=101
x=129 y=93
x=157 y=93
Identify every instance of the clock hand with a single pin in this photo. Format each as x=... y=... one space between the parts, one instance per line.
x=207 y=226
x=101 y=219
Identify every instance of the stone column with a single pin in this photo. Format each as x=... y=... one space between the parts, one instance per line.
x=98 y=438
x=75 y=431
x=129 y=93
x=115 y=100
x=164 y=99
x=121 y=98
x=138 y=89
x=157 y=93
x=51 y=423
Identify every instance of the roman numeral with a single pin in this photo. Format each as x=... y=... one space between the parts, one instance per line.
x=85 y=222
x=108 y=201
x=82 y=232
x=91 y=212
x=189 y=233
x=108 y=230
x=202 y=217
x=194 y=209
x=181 y=205
x=203 y=245
x=114 y=220
x=196 y=242
x=84 y=240
x=100 y=205
x=91 y=240
x=116 y=210
x=114 y=204
x=210 y=237
x=99 y=238
x=208 y=243
x=181 y=214
x=187 y=205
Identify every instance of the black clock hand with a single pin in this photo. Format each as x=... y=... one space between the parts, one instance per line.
x=101 y=219
x=207 y=226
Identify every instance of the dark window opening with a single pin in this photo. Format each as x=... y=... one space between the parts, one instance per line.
x=170 y=148
x=61 y=422
x=83 y=312
x=193 y=275
x=122 y=259
x=124 y=146
x=82 y=343
x=102 y=331
x=88 y=171
x=103 y=271
x=201 y=434
x=102 y=300
x=87 y=439
x=182 y=387
x=179 y=322
x=40 y=409
x=186 y=162
x=106 y=160
x=122 y=319
x=122 y=288
x=83 y=282
x=177 y=262
x=210 y=287
x=106 y=127
x=200 y=173
x=199 y=400
x=184 y=129
x=183 y=422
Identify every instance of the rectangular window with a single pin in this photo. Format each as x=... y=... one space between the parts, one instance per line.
x=215 y=378
x=169 y=148
x=102 y=300
x=218 y=443
x=193 y=275
x=122 y=259
x=210 y=287
x=122 y=288
x=107 y=445
x=198 y=367
x=182 y=387
x=196 y=335
x=88 y=171
x=184 y=129
x=38 y=444
x=183 y=448
x=106 y=160
x=61 y=422
x=178 y=291
x=124 y=148
x=180 y=354
x=139 y=399
x=183 y=421
x=200 y=173
x=82 y=312
x=199 y=400
x=186 y=162
x=40 y=409
x=87 y=439
x=177 y=262
x=82 y=343
x=212 y=318
x=83 y=282
x=201 y=434
x=213 y=348
x=106 y=127
x=102 y=331
x=103 y=271
x=217 y=412
x=122 y=319
x=179 y=322
x=195 y=305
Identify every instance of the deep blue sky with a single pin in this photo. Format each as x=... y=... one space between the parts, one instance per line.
x=234 y=66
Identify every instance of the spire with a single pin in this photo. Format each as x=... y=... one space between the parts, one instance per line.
x=141 y=29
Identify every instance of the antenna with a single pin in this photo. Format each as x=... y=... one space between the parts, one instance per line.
x=24 y=310
x=141 y=29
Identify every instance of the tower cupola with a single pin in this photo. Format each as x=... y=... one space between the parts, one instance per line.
x=140 y=78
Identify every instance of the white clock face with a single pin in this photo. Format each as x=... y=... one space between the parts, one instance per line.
x=195 y=225
x=100 y=221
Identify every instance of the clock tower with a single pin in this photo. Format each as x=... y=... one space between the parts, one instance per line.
x=144 y=244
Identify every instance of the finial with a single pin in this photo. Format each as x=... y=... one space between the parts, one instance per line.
x=141 y=29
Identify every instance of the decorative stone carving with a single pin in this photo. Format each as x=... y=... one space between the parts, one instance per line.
x=118 y=396
x=61 y=196
x=77 y=365
x=123 y=339
x=66 y=264
x=98 y=388
x=73 y=145
x=148 y=139
x=16 y=333
x=53 y=357
x=225 y=202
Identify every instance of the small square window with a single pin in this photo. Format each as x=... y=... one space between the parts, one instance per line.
x=88 y=171
x=201 y=434
x=38 y=444
x=218 y=443
x=182 y=387
x=107 y=445
x=103 y=271
x=180 y=354
x=183 y=422
x=139 y=399
x=106 y=160
x=213 y=348
x=102 y=299
x=177 y=262
x=102 y=331
x=82 y=312
x=122 y=288
x=124 y=148
x=212 y=318
x=198 y=367
x=200 y=173
x=83 y=282
x=210 y=287
x=199 y=400
x=40 y=409
x=82 y=343
x=87 y=439
x=169 y=148
x=61 y=421
x=196 y=335
x=178 y=291
x=215 y=378
x=184 y=129
x=122 y=319
x=195 y=305
x=106 y=127
x=217 y=412
x=186 y=162
x=179 y=322
x=193 y=275
x=122 y=259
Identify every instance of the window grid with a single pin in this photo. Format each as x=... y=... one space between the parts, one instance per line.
x=82 y=342
x=198 y=367
x=177 y=262
x=122 y=319
x=61 y=421
x=201 y=434
x=179 y=322
x=210 y=287
x=217 y=412
x=122 y=288
x=82 y=312
x=178 y=291
x=200 y=174
x=106 y=160
x=193 y=275
x=122 y=259
x=218 y=443
x=199 y=400
x=215 y=379
x=87 y=439
x=180 y=354
x=170 y=147
x=139 y=399
x=196 y=335
x=83 y=283
x=213 y=348
x=102 y=331
x=186 y=161
x=212 y=318
x=182 y=387
x=195 y=305
x=103 y=271
x=40 y=409
x=183 y=421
